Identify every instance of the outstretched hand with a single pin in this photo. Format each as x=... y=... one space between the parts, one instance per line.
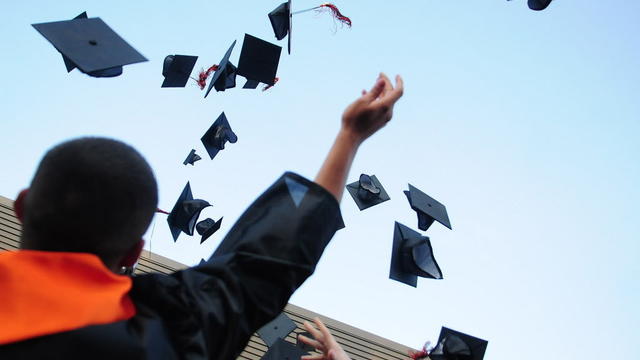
x=361 y=119
x=373 y=109
x=324 y=343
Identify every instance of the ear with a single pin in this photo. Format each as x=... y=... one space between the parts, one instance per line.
x=18 y=205
x=132 y=255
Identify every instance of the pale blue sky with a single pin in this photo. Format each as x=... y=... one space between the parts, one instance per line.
x=524 y=124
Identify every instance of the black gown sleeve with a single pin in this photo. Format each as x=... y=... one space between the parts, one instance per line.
x=212 y=310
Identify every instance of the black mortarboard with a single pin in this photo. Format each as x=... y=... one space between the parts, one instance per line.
x=259 y=60
x=251 y=84
x=207 y=227
x=177 y=70
x=229 y=78
x=454 y=345
x=91 y=45
x=185 y=212
x=217 y=135
x=428 y=209
x=280 y=19
x=367 y=191
x=412 y=256
x=192 y=158
x=67 y=62
x=538 y=4
x=278 y=328
x=225 y=74
x=283 y=350
x=226 y=78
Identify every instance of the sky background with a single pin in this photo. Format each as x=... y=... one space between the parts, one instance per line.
x=526 y=125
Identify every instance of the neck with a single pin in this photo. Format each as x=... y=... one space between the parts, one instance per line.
x=28 y=243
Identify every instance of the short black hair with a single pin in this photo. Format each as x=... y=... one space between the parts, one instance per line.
x=93 y=195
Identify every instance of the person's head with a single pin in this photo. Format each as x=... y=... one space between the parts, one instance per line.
x=91 y=195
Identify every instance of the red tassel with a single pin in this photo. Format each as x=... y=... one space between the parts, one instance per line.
x=336 y=13
x=158 y=210
x=204 y=75
x=419 y=355
x=275 y=81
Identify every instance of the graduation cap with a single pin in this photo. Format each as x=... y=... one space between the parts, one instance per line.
x=367 y=192
x=412 y=256
x=67 y=62
x=278 y=328
x=217 y=135
x=538 y=5
x=177 y=70
x=251 y=84
x=280 y=19
x=428 y=208
x=225 y=76
x=185 y=213
x=454 y=345
x=207 y=227
x=192 y=158
x=283 y=350
x=259 y=60
x=90 y=45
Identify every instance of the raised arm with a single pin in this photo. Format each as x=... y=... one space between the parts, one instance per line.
x=361 y=119
x=270 y=251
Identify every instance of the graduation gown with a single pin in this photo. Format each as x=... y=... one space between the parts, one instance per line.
x=210 y=311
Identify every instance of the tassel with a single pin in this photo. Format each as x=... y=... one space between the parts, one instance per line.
x=267 y=87
x=422 y=354
x=204 y=75
x=336 y=13
x=158 y=210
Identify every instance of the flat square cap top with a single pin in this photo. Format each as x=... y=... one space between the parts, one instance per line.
x=280 y=20
x=207 y=227
x=428 y=208
x=89 y=43
x=68 y=63
x=453 y=344
x=367 y=192
x=185 y=213
x=192 y=158
x=251 y=84
x=412 y=256
x=218 y=134
x=177 y=69
x=222 y=69
x=259 y=60
x=278 y=328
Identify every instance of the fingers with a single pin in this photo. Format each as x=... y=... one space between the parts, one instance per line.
x=313 y=331
x=316 y=344
x=385 y=105
x=328 y=338
x=375 y=91
x=400 y=84
x=313 y=357
x=387 y=84
x=392 y=96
